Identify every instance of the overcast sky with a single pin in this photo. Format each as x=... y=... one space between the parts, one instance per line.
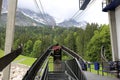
x=93 y=13
x=65 y=9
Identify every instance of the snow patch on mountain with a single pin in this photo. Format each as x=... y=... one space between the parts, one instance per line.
x=72 y=23
x=34 y=18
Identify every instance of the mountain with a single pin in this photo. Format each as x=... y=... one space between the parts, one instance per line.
x=21 y=20
x=39 y=17
x=72 y=23
x=26 y=17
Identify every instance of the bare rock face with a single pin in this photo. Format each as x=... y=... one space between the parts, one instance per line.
x=17 y=71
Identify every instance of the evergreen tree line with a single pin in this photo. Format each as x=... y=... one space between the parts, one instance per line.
x=86 y=42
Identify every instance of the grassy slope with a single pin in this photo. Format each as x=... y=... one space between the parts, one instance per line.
x=100 y=71
x=1 y=53
x=50 y=64
x=21 y=59
x=25 y=60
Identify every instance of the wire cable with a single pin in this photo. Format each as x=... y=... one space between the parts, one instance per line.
x=80 y=13
x=43 y=12
x=83 y=13
x=40 y=10
x=75 y=14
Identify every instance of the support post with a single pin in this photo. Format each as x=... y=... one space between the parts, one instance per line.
x=12 y=4
x=113 y=32
x=117 y=17
x=0 y=6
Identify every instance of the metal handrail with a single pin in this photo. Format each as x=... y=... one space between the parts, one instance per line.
x=45 y=71
x=74 y=69
x=31 y=73
x=7 y=59
x=71 y=78
x=70 y=52
x=79 y=66
x=74 y=55
x=71 y=71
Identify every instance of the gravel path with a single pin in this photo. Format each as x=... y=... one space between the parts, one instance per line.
x=17 y=71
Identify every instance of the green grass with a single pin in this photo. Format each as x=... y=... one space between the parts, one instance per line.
x=25 y=60
x=50 y=65
x=100 y=71
x=1 y=53
x=95 y=71
x=21 y=59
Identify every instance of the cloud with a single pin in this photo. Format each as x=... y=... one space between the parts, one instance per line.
x=59 y=9
x=29 y=4
x=94 y=14
x=65 y=9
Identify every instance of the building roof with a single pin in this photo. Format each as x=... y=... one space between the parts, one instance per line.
x=112 y=5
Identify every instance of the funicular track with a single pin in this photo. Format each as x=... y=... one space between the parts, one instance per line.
x=72 y=68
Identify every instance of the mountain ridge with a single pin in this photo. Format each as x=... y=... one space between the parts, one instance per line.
x=26 y=17
x=20 y=20
x=72 y=23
